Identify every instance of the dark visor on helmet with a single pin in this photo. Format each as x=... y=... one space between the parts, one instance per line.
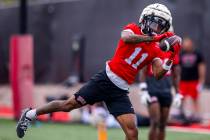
x=157 y=24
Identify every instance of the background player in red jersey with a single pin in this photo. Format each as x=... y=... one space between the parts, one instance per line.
x=137 y=47
x=157 y=96
x=193 y=73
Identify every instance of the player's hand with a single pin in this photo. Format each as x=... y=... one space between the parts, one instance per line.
x=172 y=43
x=199 y=87
x=177 y=100
x=169 y=34
x=175 y=51
x=175 y=48
x=145 y=97
x=160 y=37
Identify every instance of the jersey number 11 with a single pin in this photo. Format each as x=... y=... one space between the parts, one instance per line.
x=134 y=55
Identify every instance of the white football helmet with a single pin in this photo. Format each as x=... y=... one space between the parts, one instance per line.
x=155 y=19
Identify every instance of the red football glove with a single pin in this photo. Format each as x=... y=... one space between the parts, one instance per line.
x=175 y=42
x=169 y=34
x=175 y=49
x=159 y=37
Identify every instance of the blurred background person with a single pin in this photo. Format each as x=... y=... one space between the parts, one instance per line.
x=98 y=113
x=157 y=96
x=193 y=73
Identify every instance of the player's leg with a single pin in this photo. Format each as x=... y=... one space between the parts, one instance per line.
x=154 y=112
x=120 y=107
x=195 y=95
x=88 y=94
x=30 y=114
x=57 y=105
x=196 y=107
x=163 y=122
x=196 y=110
x=165 y=100
x=184 y=90
x=128 y=124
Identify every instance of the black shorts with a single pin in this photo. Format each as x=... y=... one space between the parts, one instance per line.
x=100 y=88
x=164 y=99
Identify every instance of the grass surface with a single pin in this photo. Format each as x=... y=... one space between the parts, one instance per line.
x=52 y=131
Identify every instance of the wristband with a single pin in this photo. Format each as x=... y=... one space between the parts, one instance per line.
x=165 y=66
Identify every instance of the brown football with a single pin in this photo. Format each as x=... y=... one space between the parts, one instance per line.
x=167 y=43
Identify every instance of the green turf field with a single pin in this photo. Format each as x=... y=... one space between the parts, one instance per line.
x=51 y=131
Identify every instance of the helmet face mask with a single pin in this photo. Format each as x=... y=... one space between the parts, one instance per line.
x=153 y=25
x=155 y=19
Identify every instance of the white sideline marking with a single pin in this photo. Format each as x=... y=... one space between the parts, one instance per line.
x=189 y=130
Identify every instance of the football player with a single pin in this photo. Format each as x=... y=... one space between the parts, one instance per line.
x=193 y=74
x=137 y=47
x=157 y=96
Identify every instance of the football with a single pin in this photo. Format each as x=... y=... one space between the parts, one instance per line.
x=167 y=43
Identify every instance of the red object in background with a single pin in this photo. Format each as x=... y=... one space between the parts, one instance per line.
x=189 y=88
x=61 y=117
x=21 y=72
x=6 y=112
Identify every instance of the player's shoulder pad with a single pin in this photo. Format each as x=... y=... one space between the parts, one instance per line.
x=132 y=26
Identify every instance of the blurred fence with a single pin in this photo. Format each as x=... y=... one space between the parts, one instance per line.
x=54 y=25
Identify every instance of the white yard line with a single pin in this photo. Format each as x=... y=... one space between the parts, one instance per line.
x=189 y=130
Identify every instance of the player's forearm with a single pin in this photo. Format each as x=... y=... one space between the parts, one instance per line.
x=133 y=39
x=160 y=69
x=142 y=77
x=202 y=72
x=160 y=73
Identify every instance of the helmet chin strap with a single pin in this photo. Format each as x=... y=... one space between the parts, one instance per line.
x=153 y=33
x=148 y=31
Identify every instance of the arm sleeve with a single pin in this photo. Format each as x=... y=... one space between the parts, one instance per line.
x=159 y=54
x=200 y=57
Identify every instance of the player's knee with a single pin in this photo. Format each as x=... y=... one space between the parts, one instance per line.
x=154 y=123
x=162 y=126
x=69 y=105
x=132 y=133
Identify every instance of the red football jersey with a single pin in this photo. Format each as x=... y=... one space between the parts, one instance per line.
x=130 y=58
